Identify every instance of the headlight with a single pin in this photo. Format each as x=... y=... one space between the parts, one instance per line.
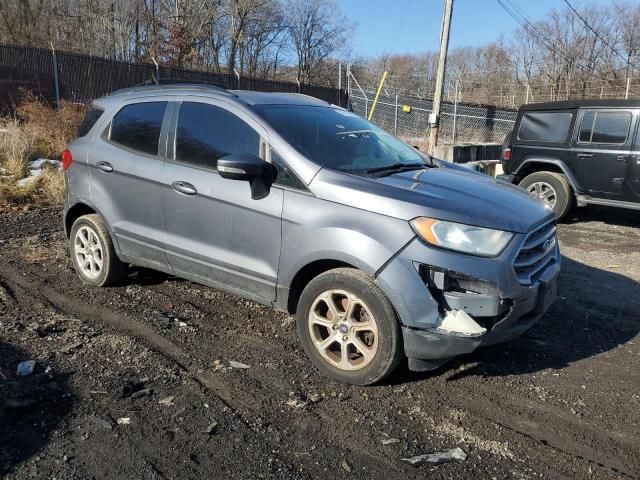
x=461 y=238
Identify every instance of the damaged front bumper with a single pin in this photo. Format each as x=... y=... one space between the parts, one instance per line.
x=450 y=304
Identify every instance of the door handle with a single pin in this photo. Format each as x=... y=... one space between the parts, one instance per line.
x=622 y=158
x=585 y=155
x=184 y=187
x=104 y=166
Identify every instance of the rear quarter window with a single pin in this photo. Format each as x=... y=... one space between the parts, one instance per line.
x=89 y=120
x=548 y=127
x=137 y=126
x=605 y=127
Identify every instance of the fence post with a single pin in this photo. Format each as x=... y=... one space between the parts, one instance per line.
x=157 y=71
x=339 y=103
x=395 y=120
x=55 y=74
x=455 y=112
x=626 y=93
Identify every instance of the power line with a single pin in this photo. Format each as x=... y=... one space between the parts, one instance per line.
x=627 y=60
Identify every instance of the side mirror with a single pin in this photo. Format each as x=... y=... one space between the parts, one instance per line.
x=251 y=168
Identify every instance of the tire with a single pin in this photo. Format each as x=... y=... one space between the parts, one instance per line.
x=104 y=268
x=368 y=342
x=557 y=182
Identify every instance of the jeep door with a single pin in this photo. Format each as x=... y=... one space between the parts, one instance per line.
x=126 y=164
x=215 y=232
x=602 y=150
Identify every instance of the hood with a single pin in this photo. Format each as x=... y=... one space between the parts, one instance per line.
x=447 y=192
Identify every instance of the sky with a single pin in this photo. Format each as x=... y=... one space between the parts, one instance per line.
x=413 y=26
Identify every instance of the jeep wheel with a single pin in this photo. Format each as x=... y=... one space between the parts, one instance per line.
x=92 y=252
x=552 y=188
x=348 y=327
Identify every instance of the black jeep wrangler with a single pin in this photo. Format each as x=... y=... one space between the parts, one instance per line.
x=582 y=150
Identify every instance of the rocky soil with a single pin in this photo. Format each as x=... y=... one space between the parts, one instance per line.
x=163 y=378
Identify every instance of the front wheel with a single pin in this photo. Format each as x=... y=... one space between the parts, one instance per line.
x=348 y=327
x=552 y=188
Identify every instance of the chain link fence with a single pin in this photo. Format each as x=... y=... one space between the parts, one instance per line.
x=472 y=112
x=407 y=117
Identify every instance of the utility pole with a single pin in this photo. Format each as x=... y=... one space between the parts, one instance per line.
x=434 y=118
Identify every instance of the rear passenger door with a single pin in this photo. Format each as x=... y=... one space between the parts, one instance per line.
x=633 y=179
x=215 y=231
x=602 y=150
x=126 y=171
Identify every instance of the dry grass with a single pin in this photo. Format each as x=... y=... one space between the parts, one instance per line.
x=15 y=148
x=50 y=130
x=37 y=131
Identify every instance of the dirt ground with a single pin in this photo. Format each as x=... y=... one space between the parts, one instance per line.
x=135 y=381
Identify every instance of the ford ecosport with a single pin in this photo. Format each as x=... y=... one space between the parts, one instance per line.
x=380 y=251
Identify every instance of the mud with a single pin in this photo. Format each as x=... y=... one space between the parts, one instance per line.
x=563 y=401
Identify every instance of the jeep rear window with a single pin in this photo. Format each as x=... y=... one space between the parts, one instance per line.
x=548 y=127
x=90 y=119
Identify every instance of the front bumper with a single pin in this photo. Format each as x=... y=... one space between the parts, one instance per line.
x=505 y=311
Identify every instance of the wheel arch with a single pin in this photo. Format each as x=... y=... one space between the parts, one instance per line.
x=307 y=273
x=80 y=209
x=533 y=165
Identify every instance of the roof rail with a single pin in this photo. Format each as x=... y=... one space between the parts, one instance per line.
x=150 y=86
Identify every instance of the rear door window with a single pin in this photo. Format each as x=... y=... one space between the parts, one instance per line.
x=137 y=126
x=605 y=127
x=90 y=119
x=207 y=133
x=549 y=127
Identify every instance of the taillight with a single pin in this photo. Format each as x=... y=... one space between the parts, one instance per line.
x=507 y=154
x=67 y=159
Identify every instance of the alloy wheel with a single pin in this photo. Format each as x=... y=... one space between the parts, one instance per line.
x=544 y=192
x=89 y=252
x=343 y=330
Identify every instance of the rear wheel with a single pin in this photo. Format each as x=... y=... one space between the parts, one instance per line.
x=92 y=252
x=348 y=327
x=552 y=188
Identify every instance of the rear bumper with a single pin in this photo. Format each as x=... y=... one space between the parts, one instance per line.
x=506 y=178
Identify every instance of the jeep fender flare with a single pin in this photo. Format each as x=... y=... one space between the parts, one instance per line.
x=573 y=181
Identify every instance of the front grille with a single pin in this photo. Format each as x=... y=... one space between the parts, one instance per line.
x=537 y=253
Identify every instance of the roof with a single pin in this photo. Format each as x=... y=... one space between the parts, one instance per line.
x=573 y=104
x=248 y=97
x=277 y=98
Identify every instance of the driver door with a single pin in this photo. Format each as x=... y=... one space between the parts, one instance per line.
x=215 y=232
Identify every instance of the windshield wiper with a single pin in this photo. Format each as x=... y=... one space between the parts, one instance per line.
x=395 y=168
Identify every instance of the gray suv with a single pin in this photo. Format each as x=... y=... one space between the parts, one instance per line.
x=380 y=251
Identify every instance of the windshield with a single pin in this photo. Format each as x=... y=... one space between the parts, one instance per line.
x=340 y=140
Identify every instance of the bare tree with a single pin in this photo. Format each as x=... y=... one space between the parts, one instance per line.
x=317 y=30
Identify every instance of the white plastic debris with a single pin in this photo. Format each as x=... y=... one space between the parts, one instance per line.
x=124 y=421
x=167 y=400
x=240 y=365
x=454 y=454
x=39 y=163
x=25 y=368
x=458 y=322
x=33 y=175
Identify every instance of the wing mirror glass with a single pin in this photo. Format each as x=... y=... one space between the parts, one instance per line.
x=251 y=168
